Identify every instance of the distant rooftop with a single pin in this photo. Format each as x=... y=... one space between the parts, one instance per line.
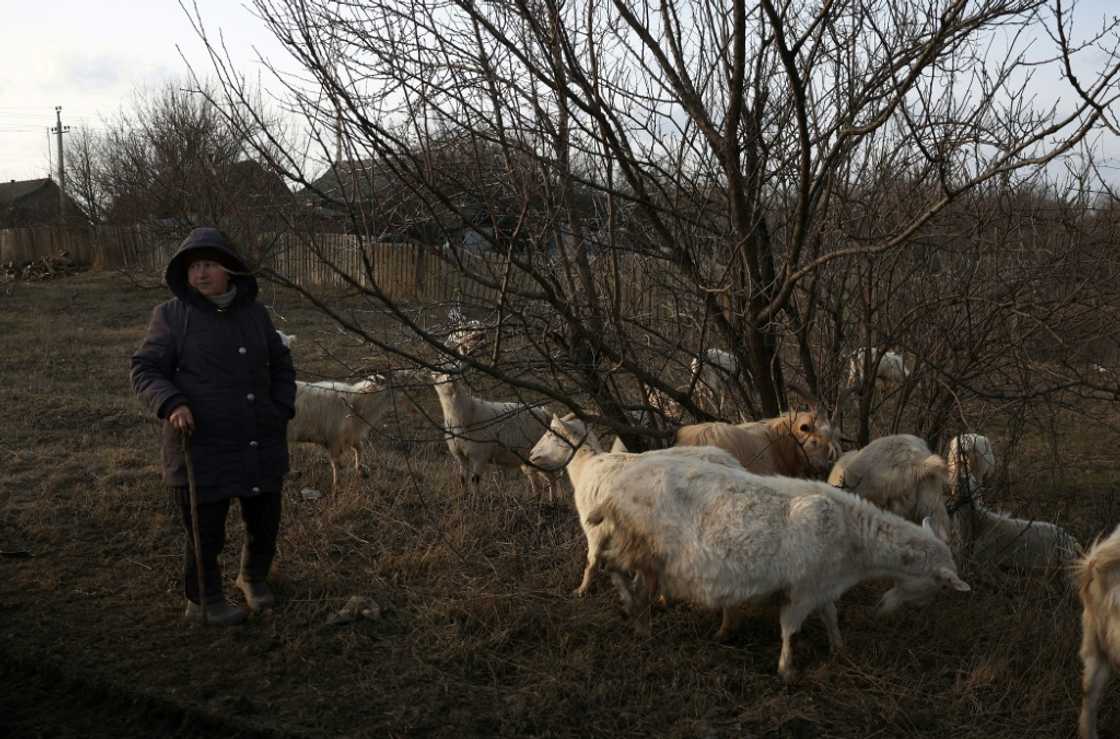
x=15 y=189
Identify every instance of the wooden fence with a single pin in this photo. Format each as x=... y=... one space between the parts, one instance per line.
x=412 y=273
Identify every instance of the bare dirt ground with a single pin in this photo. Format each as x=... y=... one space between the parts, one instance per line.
x=480 y=635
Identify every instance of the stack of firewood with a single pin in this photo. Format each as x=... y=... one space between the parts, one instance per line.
x=43 y=268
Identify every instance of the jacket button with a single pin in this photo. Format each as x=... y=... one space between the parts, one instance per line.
x=250 y=397
x=253 y=443
x=241 y=350
x=256 y=489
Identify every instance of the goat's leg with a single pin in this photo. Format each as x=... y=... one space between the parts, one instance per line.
x=1097 y=673
x=544 y=485
x=832 y=626
x=461 y=465
x=792 y=616
x=335 y=460
x=531 y=473
x=732 y=617
x=476 y=466
x=592 y=561
x=1093 y=680
x=645 y=585
x=626 y=590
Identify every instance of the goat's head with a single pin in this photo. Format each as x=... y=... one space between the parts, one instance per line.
x=933 y=572
x=372 y=384
x=468 y=338
x=558 y=445
x=812 y=429
x=813 y=433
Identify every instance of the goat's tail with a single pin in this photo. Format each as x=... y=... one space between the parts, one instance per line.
x=624 y=546
x=1099 y=565
x=933 y=467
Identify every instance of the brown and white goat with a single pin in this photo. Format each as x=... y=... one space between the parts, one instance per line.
x=795 y=444
x=1097 y=576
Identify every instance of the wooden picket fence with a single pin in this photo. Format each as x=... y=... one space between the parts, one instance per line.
x=412 y=273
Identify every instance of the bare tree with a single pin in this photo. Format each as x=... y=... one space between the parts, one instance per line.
x=83 y=174
x=772 y=174
x=170 y=160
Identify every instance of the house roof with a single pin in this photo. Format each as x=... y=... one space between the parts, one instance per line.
x=252 y=180
x=347 y=180
x=16 y=189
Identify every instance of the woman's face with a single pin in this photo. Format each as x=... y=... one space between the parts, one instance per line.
x=208 y=277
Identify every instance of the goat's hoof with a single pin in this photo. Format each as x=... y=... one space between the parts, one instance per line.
x=579 y=592
x=723 y=636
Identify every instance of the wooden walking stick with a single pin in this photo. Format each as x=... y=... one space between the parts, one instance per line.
x=186 y=439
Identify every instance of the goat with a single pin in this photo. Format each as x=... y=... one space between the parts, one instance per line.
x=338 y=416
x=889 y=369
x=286 y=339
x=970 y=454
x=464 y=335
x=661 y=403
x=796 y=444
x=998 y=539
x=481 y=432
x=720 y=537
x=713 y=374
x=899 y=474
x=1097 y=576
x=571 y=444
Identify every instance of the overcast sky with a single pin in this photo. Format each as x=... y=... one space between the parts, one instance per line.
x=91 y=57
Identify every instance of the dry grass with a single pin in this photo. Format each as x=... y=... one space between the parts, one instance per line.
x=480 y=634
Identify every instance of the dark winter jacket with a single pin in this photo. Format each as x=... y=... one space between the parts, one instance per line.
x=230 y=368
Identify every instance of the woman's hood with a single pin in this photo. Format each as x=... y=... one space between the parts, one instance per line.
x=209 y=240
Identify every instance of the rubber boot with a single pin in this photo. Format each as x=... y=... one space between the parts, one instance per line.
x=218 y=613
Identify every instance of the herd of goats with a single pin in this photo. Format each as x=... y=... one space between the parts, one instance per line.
x=732 y=513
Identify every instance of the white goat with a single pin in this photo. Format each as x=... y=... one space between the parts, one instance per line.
x=899 y=474
x=286 y=339
x=464 y=336
x=1000 y=540
x=570 y=443
x=338 y=416
x=713 y=374
x=1097 y=575
x=481 y=432
x=972 y=455
x=889 y=376
x=720 y=537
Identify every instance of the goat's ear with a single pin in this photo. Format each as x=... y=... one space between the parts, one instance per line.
x=930 y=525
x=949 y=578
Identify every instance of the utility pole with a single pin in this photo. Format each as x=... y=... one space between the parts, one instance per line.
x=59 y=130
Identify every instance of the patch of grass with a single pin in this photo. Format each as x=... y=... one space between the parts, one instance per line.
x=480 y=634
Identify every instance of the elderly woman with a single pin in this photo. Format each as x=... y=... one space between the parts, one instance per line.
x=213 y=366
